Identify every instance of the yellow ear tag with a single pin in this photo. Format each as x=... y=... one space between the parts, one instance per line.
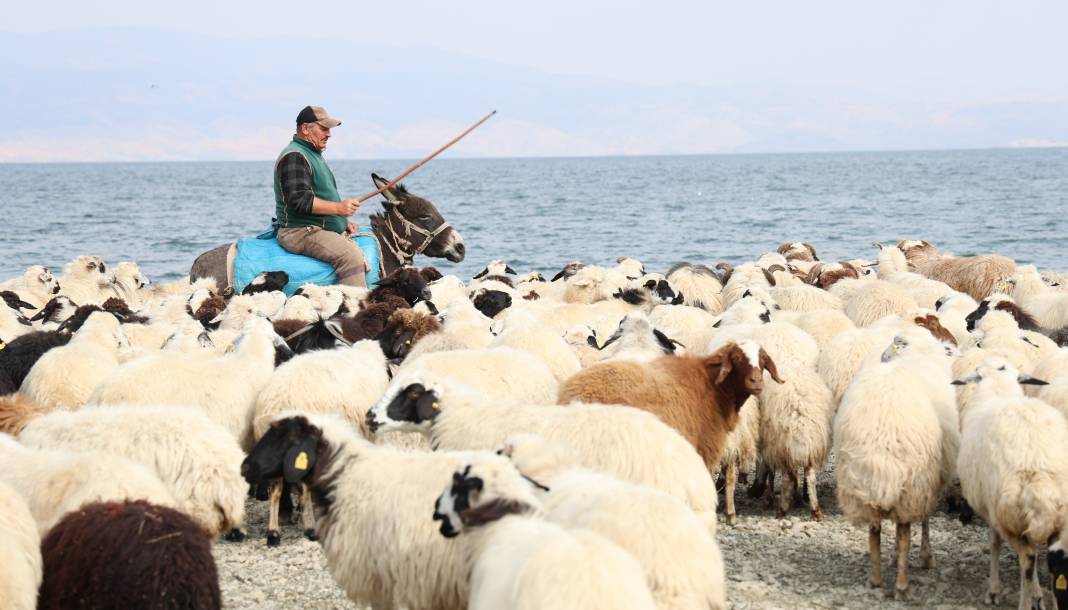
x=435 y=406
x=3 y=345
x=301 y=463
x=229 y=348
x=1062 y=583
x=408 y=342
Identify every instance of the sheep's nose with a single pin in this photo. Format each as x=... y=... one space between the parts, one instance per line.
x=460 y=249
x=372 y=423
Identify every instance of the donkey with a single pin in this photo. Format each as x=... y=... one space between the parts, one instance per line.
x=407 y=226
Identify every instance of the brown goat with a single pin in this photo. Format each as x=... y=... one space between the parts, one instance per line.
x=698 y=396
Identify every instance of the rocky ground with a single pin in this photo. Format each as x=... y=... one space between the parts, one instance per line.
x=770 y=563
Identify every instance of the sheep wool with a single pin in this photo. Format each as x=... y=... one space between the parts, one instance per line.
x=67 y=375
x=55 y=482
x=20 y=564
x=196 y=459
x=128 y=555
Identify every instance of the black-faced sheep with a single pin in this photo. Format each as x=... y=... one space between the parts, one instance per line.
x=404 y=328
x=128 y=555
x=406 y=283
x=267 y=281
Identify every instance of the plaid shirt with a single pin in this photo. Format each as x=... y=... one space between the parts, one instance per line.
x=295 y=175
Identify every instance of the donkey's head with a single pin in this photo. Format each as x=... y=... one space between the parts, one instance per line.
x=416 y=225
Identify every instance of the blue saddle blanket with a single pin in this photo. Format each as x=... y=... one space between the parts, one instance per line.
x=263 y=253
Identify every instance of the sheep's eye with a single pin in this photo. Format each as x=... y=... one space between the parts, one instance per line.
x=1001 y=368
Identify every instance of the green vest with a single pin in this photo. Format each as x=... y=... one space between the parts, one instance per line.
x=323 y=185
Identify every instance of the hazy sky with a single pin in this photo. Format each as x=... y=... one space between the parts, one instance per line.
x=995 y=48
x=950 y=54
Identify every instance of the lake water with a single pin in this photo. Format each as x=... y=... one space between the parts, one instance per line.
x=541 y=213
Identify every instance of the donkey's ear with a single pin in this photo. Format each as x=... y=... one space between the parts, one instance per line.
x=380 y=182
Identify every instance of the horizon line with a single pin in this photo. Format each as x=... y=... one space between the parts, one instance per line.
x=1050 y=146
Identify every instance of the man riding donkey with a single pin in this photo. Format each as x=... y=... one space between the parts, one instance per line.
x=310 y=215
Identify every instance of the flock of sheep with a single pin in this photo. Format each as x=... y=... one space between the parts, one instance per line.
x=569 y=434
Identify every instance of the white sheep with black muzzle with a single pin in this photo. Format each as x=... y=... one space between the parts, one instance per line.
x=626 y=442
x=518 y=560
x=682 y=562
x=372 y=507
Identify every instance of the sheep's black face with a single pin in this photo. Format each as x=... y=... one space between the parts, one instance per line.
x=665 y=293
x=492 y=302
x=974 y=317
x=415 y=403
x=455 y=501
x=396 y=342
x=287 y=449
x=266 y=282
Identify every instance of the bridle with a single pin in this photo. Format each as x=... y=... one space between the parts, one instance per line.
x=400 y=244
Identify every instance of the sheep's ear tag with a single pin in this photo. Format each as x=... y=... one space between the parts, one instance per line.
x=2 y=345
x=1061 y=584
x=298 y=461
x=229 y=348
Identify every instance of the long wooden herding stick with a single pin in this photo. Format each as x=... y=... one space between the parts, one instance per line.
x=437 y=152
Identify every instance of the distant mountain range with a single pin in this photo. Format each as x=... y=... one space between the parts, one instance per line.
x=136 y=94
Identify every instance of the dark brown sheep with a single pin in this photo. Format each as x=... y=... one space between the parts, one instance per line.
x=698 y=396
x=404 y=328
x=405 y=282
x=128 y=555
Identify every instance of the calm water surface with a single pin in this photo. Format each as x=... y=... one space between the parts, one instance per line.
x=541 y=213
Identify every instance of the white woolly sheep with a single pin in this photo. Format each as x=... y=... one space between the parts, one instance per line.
x=55 y=482
x=896 y=440
x=86 y=281
x=518 y=560
x=629 y=443
x=66 y=375
x=740 y=454
x=1019 y=488
x=802 y=298
x=499 y=373
x=36 y=286
x=525 y=331
x=1048 y=305
x=795 y=431
x=822 y=325
x=637 y=340
x=631 y=268
x=682 y=564
x=344 y=381
x=877 y=299
x=591 y=284
x=195 y=458
x=20 y=565
x=690 y=326
x=225 y=387
x=582 y=340
x=130 y=284
x=372 y=507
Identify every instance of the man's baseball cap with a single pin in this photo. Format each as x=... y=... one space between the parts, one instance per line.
x=317 y=114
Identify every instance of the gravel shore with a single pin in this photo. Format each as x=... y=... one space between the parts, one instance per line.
x=770 y=563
